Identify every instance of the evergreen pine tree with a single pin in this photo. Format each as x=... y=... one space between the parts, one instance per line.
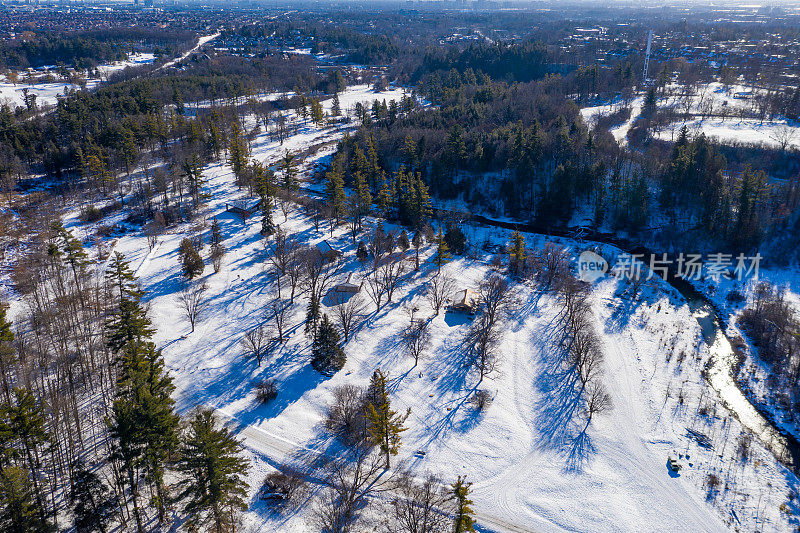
x=238 y=152
x=517 y=253
x=264 y=179
x=455 y=239
x=317 y=114
x=191 y=261
x=327 y=355
x=361 y=252
x=216 y=232
x=26 y=419
x=403 y=242
x=409 y=152
x=360 y=202
x=6 y=351
x=92 y=503
x=213 y=486
x=336 y=108
x=144 y=425
x=121 y=280
x=193 y=170
x=334 y=189
x=385 y=425
x=418 y=240
x=128 y=322
x=69 y=250
x=442 y=255
x=385 y=199
x=422 y=202
x=312 y=316
x=463 y=520
x=19 y=510
x=288 y=164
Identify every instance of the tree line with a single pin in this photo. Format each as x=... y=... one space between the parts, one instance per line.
x=83 y=338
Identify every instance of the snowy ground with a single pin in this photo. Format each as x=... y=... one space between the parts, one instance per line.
x=749 y=131
x=200 y=42
x=620 y=132
x=133 y=61
x=524 y=480
x=47 y=93
x=707 y=105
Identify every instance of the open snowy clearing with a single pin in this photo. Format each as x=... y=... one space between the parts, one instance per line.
x=13 y=94
x=717 y=111
x=749 y=131
x=620 y=131
x=531 y=468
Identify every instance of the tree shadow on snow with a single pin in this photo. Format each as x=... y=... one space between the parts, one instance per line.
x=450 y=370
x=559 y=408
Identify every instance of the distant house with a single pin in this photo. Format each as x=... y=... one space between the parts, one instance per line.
x=241 y=209
x=328 y=252
x=348 y=286
x=465 y=301
x=743 y=95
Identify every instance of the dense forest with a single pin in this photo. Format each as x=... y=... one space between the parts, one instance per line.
x=85 y=49
x=525 y=145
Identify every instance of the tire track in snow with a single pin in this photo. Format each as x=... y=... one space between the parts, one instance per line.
x=276 y=449
x=693 y=516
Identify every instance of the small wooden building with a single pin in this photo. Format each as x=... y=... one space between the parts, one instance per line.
x=348 y=286
x=465 y=301
x=328 y=252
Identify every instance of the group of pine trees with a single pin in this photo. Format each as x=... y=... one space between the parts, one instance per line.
x=108 y=465
x=697 y=190
x=401 y=196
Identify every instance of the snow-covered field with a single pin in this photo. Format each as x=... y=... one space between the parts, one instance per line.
x=47 y=93
x=523 y=478
x=133 y=61
x=749 y=131
x=723 y=113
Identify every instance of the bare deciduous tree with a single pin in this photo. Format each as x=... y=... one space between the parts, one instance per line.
x=597 y=401
x=549 y=265
x=193 y=301
x=348 y=312
x=416 y=339
x=319 y=271
x=281 y=250
x=295 y=270
x=256 y=341
x=438 y=290
x=484 y=335
x=783 y=134
x=636 y=283
x=278 y=313
x=217 y=253
x=383 y=281
x=346 y=418
x=348 y=482
x=420 y=507
x=586 y=356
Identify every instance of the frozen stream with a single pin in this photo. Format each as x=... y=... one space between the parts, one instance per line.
x=720 y=377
